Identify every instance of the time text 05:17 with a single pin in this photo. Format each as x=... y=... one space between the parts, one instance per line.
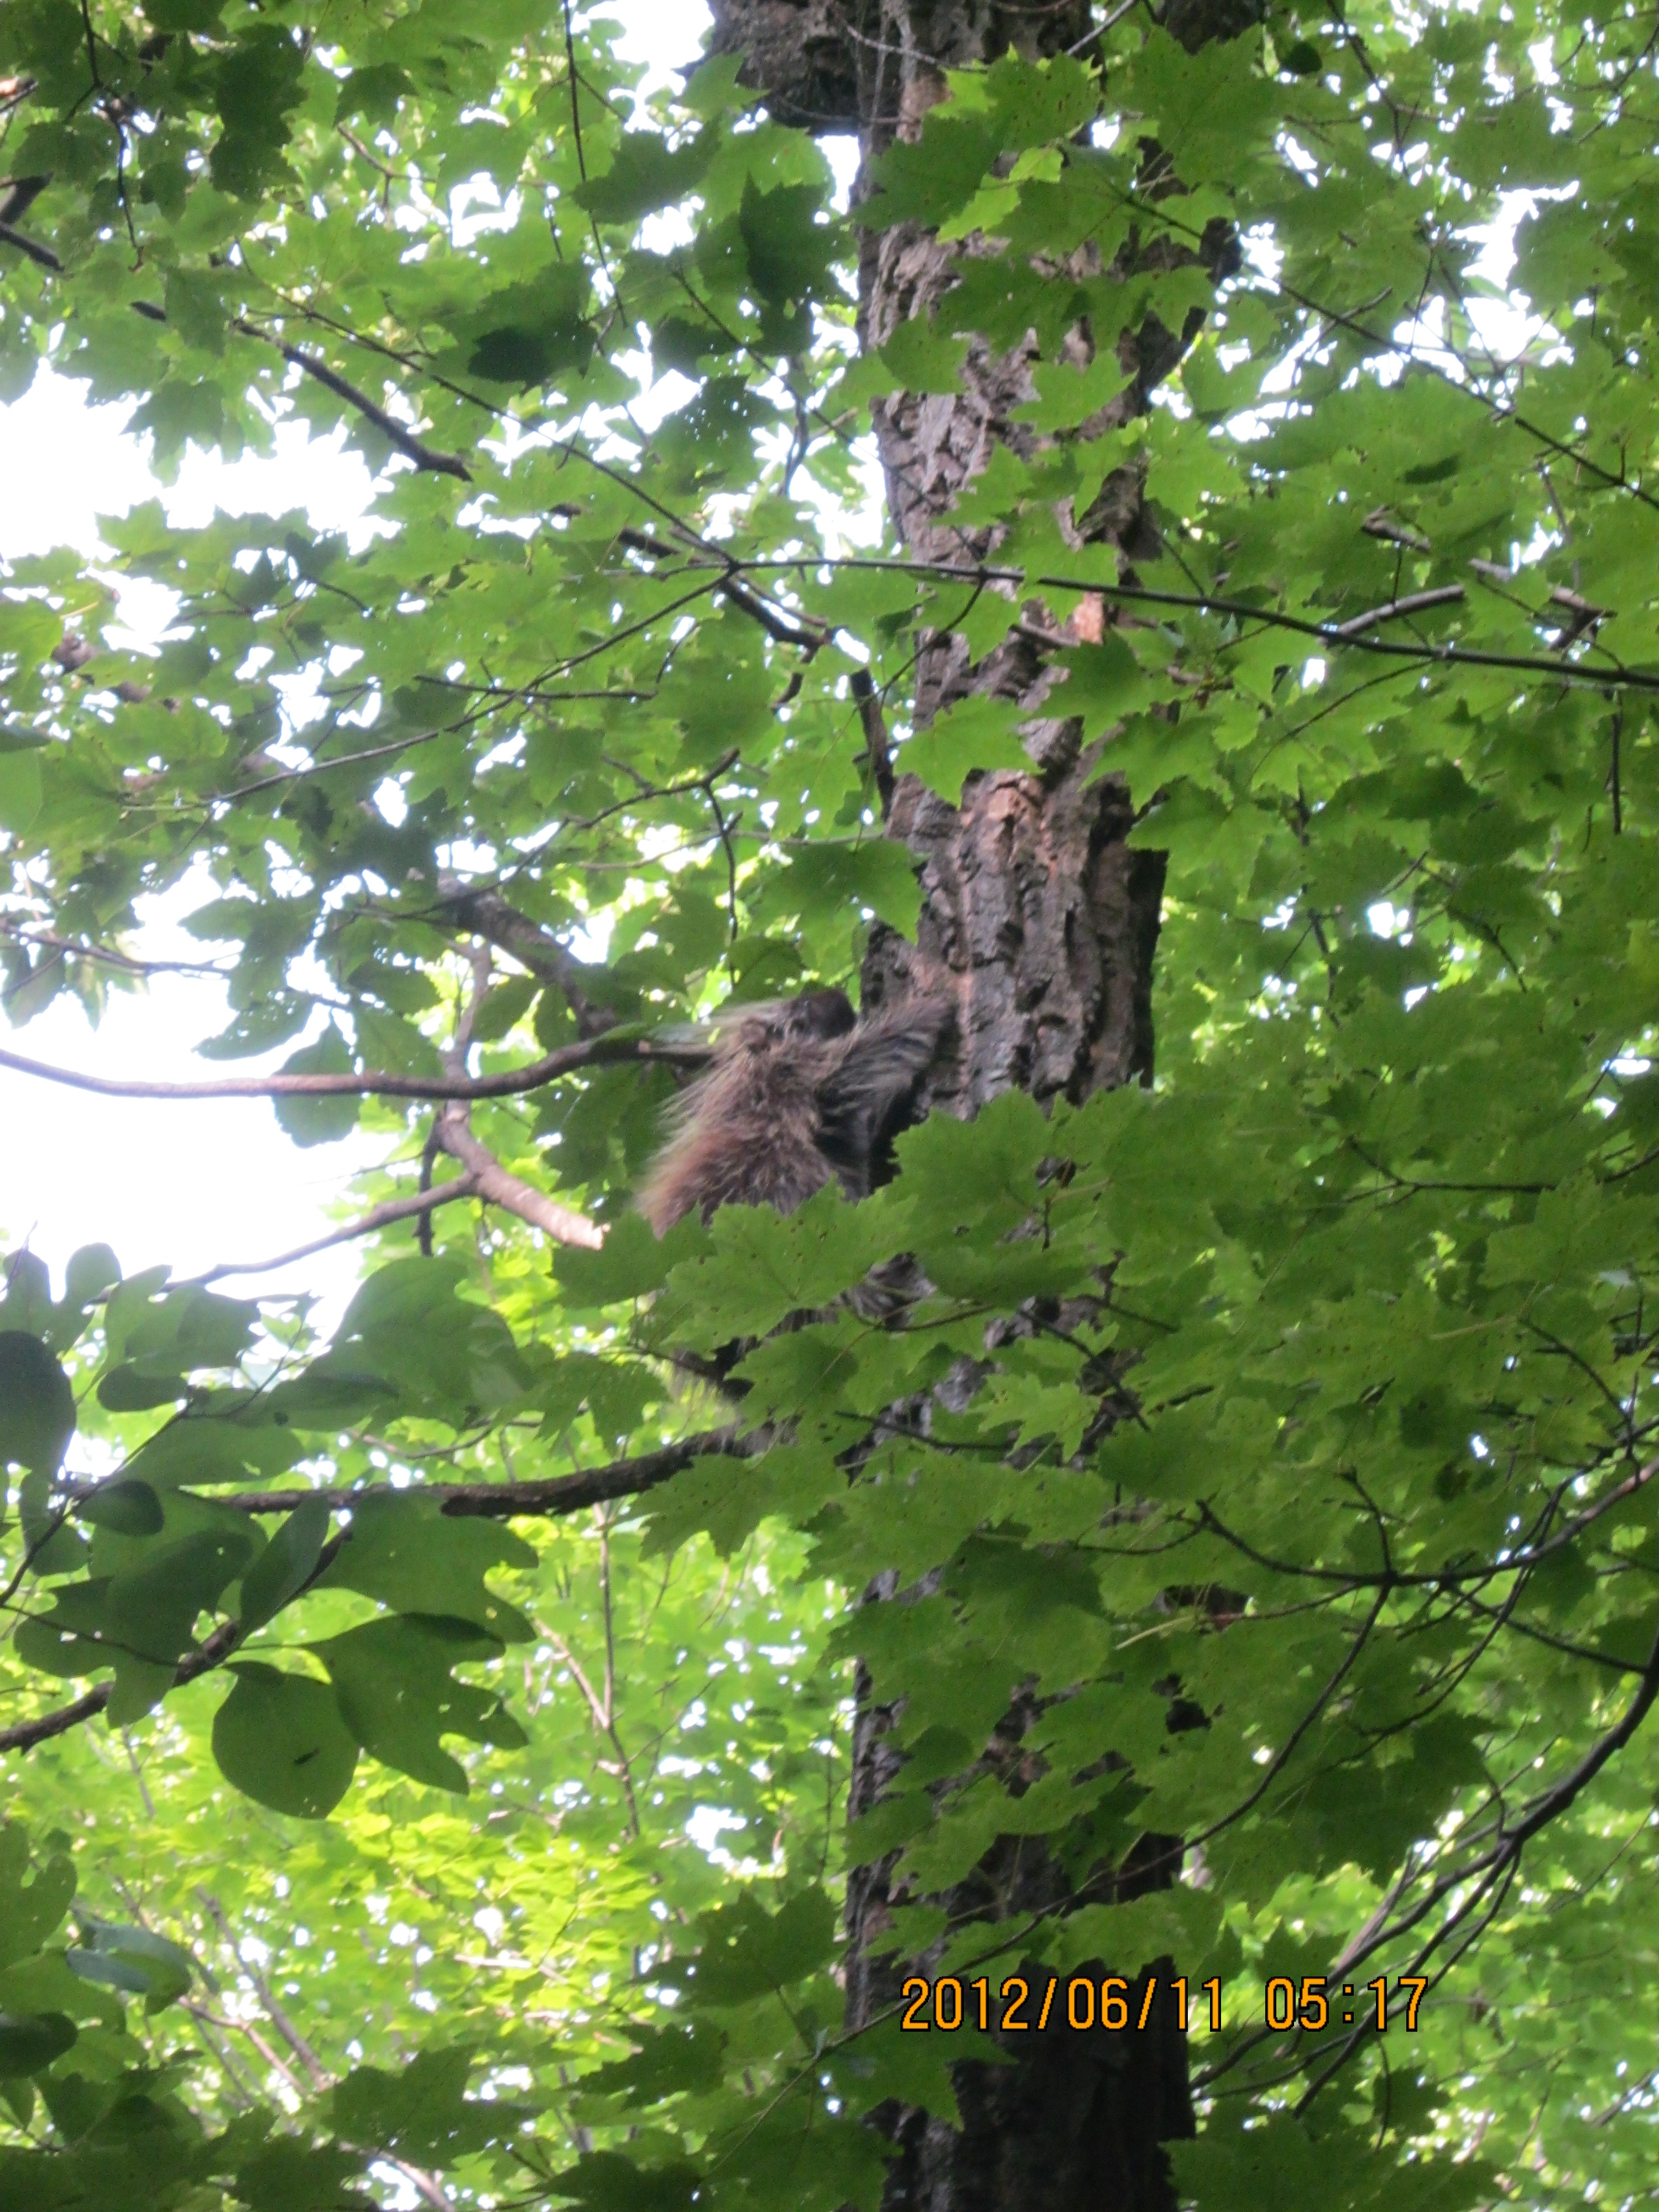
x=1317 y=2002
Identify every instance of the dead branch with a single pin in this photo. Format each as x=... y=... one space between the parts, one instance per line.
x=1582 y=616
x=75 y=948
x=493 y=1183
x=1379 y=522
x=880 y=758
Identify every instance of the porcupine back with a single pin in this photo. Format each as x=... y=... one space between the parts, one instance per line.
x=798 y=1095
x=746 y=1133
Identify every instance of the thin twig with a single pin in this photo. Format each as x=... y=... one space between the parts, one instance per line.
x=413 y=448
x=23 y=1735
x=1443 y=595
x=378 y=1217
x=1430 y=656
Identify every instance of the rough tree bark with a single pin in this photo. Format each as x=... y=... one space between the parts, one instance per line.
x=1040 y=921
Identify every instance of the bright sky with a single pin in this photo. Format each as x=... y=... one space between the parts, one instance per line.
x=194 y=1184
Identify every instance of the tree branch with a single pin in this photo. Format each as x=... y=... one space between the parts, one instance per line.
x=868 y=701
x=1443 y=595
x=75 y=948
x=31 y=247
x=23 y=1735
x=423 y=456
x=505 y=1501
x=320 y=2079
x=452 y=1132
x=593 y=1052
x=1379 y=522
x=983 y=573
x=378 y=1217
x=486 y=1501
x=776 y=626
x=483 y=910
x=492 y=1181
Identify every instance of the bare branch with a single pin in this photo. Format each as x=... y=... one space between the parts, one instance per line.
x=26 y=1734
x=868 y=701
x=23 y=1735
x=378 y=1217
x=1522 y=1559
x=1379 y=522
x=31 y=247
x=985 y=573
x=423 y=456
x=505 y=1501
x=775 y=625
x=275 y=2012
x=452 y=1132
x=1443 y=595
x=1582 y=616
x=127 y=962
x=484 y=910
x=1552 y=1802
x=593 y=1052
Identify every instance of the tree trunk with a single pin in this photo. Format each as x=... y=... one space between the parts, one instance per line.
x=1040 y=922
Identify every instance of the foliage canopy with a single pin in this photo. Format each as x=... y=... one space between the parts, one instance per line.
x=349 y=1857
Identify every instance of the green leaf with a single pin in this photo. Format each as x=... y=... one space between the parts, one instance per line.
x=877 y=879
x=34 y=1898
x=647 y=174
x=285 y=1565
x=37 y=1406
x=974 y=735
x=398 y=1696
x=748 y=1952
x=153 y=1964
x=422 y=2111
x=373 y=93
x=257 y=83
x=279 y=1738
x=322 y=1120
x=29 y=2045
x=530 y=332
x=408 y=1554
x=21 y=791
x=129 y=1507
x=151 y=1606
